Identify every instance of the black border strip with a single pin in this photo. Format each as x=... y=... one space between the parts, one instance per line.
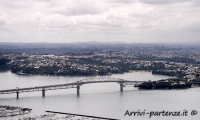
x=81 y=115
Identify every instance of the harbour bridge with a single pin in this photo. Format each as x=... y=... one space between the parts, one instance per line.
x=76 y=85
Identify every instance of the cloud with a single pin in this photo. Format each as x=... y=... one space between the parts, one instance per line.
x=15 y=4
x=3 y=16
x=36 y=16
x=160 y=2
x=100 y=20
x=80 y=7
x=155 y=2
x=4 y=21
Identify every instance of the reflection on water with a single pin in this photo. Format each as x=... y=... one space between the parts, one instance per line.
x=102 y=99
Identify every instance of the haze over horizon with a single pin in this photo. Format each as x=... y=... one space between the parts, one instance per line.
x=135 y=21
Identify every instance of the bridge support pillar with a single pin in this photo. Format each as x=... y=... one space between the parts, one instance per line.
x=78 y=89
x=17 y=94
x=43 y=92
x=121 y=87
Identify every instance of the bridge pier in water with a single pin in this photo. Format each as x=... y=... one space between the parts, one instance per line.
x=121 y=87
x=43 y=92
x=78 y=89
x=17 y=94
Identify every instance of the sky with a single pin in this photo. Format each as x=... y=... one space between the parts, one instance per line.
x=140 y=21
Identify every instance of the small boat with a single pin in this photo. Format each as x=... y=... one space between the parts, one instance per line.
x=193 y=86
x=66 y=117
x=51 y=115
x=26 y=112
x=21 y=73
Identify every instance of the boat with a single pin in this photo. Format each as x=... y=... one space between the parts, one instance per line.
x=21 y=73
x=51 y=115
x=193 y=86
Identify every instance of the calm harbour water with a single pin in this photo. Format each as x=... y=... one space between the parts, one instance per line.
x=104 y=99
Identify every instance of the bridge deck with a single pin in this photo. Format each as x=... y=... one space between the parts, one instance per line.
x=66 y=86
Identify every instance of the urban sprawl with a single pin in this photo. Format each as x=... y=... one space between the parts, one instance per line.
x=180 y=62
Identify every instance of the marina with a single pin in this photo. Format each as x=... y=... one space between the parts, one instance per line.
x=10 y=111
x=6 y=111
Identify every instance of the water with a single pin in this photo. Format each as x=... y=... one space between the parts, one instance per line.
x=102 y=99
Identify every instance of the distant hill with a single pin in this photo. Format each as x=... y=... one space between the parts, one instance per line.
x=79 y=47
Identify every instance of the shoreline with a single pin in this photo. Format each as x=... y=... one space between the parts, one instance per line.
x=56 y=75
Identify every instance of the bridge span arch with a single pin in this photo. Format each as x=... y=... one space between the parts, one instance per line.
x=120 y=81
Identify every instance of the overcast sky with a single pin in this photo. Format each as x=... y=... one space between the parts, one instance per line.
x=100 y=20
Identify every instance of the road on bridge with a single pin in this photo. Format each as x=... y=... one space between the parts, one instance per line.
x=76 y=84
